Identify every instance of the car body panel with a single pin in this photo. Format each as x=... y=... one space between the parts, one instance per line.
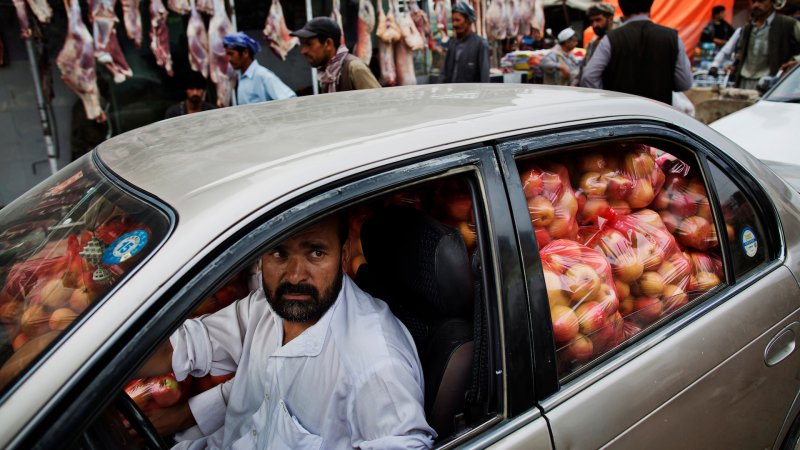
x=670 y=372
x=767 y=129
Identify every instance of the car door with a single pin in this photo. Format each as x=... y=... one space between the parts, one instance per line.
x=500 y=378
x=716 y=371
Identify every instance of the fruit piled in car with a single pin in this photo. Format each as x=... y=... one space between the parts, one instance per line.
x=640 y=211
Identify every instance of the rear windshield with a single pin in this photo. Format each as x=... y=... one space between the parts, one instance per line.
x=63 y=246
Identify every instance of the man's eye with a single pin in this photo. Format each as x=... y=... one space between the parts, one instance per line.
x=317 y=253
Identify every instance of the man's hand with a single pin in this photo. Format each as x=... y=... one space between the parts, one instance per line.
x=713 y=71
x=565 y=70
x=171 y=420
x=788 y=65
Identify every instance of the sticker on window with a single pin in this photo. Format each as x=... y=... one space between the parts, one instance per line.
x=749 y=242
x=125 y=247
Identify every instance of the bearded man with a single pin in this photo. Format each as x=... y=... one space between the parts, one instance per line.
x=319 y=363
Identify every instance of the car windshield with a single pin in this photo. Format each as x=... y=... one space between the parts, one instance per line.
x=787 y=90
x=63 y=246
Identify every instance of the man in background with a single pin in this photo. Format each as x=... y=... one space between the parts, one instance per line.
x=769 y=43
x=640 y=57
x=467 y=59
x=338 y=70
x=256 y=83
x=195 y=98
x=559 y=66
x=718 y=30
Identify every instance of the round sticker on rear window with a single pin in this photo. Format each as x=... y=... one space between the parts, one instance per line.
x=124 y=247
x=749 y=242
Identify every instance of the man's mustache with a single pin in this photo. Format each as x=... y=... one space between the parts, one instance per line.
x=286 y=288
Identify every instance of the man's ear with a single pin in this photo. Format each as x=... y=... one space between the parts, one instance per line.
x=346 y=254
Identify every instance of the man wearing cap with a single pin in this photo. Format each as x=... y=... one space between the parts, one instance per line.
x=718 y=30
x=256 y=83
x=559 y=66
x=639 y=57
x=195 y=94
x=601 y=16
x=467 y=59
x=338 y=70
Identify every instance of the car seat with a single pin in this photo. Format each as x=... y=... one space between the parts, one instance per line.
x=421 y=268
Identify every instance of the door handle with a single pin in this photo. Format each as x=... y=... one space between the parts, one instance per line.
x=781 y=346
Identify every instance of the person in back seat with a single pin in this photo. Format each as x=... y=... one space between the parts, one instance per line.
x=319 y=362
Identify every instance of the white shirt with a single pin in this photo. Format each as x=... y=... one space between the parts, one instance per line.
x=352 y=380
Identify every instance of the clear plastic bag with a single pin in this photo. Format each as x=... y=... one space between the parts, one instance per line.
x=157 y=392
x=552 y=203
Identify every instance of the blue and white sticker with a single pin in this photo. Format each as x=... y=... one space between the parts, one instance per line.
x=749 y=242
x=125 y=247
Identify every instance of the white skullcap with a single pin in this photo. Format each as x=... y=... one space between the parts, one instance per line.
x=565 y=35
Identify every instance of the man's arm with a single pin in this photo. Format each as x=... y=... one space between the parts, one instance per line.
x=361 y=76
x=483 y=61
x=682 y=78
x=593 y=72
x=549 y=63
x=277 y=89
x=796 y=58
x=727 y=50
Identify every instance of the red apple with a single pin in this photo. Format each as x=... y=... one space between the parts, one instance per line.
x=649 y=217
x=675 y=182
x=61 y=318
x=541 y=211
x=670 y=221
x=593 y=162
x=591 y=317
x=641 y=195
x=593 y=209
x=682 y=204
x=81 y=299
x=647 y=309
x=560 y=229
x=628 y=267
x=696 y=186
x=661 y=201
x=166 y=391
x=623 y=289
x=706 y=281
x=532 y=183
x=565 y=323
x=54 y=294
x=593 y=185
x=542 y=237
x=580 y=350
x=694 y=232
x=555 y=290
x=638 y=164
x=651 y=284
x=674 y=298
x=582 y=282
x=619 y=187
x=675 y=270
x=551 y=185
x=626 y=306
x=621 y=207
x=607 y=298
x=19 y=341
x=703 y=208
x=35 y=320
x=567 y=204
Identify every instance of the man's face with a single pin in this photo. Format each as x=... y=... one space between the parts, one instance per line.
x=303 y=274
x=761 y=9
x=600 y=24
x=316 y=50
x=195 y=95
x=570 y=44
x=236 y=58
x=460 y=24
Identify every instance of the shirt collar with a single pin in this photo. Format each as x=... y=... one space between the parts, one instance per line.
x=637 y=18
x=311 y=341
x=250 y=72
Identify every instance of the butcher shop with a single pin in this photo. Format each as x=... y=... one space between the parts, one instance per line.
x=76 y=72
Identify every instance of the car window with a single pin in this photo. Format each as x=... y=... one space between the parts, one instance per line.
x=787 y=89
x=626 y=238
x=418 y=248
x=746 y=233
x=64 y=246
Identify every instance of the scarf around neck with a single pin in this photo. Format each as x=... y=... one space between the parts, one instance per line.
x=329 y=77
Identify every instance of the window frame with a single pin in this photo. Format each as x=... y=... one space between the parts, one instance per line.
x=549 y=385
x=67 y=415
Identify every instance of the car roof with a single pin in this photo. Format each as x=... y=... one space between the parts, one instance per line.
x=219 y=166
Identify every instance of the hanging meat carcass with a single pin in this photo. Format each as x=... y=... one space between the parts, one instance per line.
x=410 y=33
x=76 y=63
x=133 y=21
x=513 y=17
x=41 y=10
x=159 y=36
x=336 y=15
x=206 y=7
x=219 y=68
x=181 y=7
x=198 y=41
x=366 y=23
x=106 y=45
x=440 y=11
x=524 y=15
x=22 y=16
x=496 y=28
x=422 y=23
x=388 y=33
x=276 y=33
x=537 y=19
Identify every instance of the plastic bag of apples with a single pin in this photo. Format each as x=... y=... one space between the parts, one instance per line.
x=683 y=205
x=621 y=176
x=552 y=203
x=157 y=392
x=584 y=306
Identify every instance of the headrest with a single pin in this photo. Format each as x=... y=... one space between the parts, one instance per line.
x=422 y=262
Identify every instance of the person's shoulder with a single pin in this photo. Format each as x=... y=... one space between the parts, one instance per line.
x=173 y=111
